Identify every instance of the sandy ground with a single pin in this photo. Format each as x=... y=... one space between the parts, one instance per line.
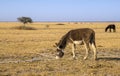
x=31 y=52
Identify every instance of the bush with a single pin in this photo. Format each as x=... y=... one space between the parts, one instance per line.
x=60 y=24
x=24 y=28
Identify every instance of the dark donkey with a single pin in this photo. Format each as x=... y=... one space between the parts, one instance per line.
x=110 y=26
x=81 y=36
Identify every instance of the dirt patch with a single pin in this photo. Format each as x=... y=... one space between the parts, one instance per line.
x=45 y=64
x=103 y=54
x=41 y=57
x=109 y=54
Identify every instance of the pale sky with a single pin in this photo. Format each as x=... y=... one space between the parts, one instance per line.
x=60 y=10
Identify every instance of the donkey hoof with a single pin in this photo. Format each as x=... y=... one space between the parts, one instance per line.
x=85 y=58
x=57 y=57
x=95 y=59
x=75 y=58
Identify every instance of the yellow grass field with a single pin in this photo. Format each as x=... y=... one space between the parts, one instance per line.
x=31 y=52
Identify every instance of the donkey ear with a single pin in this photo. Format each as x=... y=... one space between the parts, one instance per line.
x=55 y=45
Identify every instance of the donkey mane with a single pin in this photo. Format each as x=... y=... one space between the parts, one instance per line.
x=63 y=41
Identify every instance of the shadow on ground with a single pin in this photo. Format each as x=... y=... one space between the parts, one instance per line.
x=108 y=58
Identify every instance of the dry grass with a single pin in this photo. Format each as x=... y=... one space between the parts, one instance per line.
x=31 y=52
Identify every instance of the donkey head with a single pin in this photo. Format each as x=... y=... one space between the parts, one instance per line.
x=60 y=52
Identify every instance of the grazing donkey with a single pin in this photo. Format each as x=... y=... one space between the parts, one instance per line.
x=81 y=36
x=111 y=26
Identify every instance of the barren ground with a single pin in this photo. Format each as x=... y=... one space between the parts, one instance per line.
x=31 y=52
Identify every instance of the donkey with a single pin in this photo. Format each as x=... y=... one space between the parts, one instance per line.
x=81 y=36
x=110 y=26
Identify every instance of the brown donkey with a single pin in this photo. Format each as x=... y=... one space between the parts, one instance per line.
x=111 y=26
x=81 y=36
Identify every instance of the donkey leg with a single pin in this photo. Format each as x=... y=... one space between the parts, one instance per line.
x=73 y=50
x=94 y=50
x=87 y=50
x=114 y=30
x=110 y=29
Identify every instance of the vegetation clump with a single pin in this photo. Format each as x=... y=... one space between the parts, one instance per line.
x=24 y=28
x=60 y=24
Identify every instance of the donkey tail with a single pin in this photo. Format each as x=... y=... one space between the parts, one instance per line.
x=92 y=39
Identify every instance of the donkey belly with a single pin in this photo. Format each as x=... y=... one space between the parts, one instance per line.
x=78 y=42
